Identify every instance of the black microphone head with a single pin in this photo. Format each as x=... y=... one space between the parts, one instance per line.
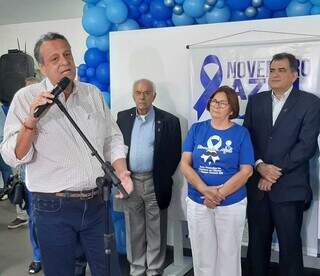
x=61 y=86
x=63 y=83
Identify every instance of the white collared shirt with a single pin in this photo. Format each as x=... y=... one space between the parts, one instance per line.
x=278 y=103
x=59 y=159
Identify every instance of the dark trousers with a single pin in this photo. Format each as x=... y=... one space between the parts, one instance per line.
x=61 y=223
x=286 y=217
x=6 y=171
x=36 y=254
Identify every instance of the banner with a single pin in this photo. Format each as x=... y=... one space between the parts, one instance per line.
x=246 y=69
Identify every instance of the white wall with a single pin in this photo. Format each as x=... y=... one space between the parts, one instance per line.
x=161 y=55
x=30 y=33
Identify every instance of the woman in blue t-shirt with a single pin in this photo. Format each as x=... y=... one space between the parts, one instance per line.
x=217 y=161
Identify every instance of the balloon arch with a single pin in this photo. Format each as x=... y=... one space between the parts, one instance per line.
x=103 y=16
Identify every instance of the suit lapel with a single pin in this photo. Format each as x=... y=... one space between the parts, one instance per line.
x=267 y=107
x=131 y=118
x=287 y=107
x=158 y=126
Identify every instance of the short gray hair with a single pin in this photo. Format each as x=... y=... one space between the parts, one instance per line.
x=46 y=37
x=145 y=80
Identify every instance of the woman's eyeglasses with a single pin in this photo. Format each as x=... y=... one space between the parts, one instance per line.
x=220 y=104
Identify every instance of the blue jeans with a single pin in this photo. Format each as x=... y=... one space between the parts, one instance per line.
x=36 y=255
x=5 y=170
x=61 y=223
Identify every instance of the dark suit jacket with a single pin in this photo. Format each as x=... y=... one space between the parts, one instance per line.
x=167 y=149
x=289 y=144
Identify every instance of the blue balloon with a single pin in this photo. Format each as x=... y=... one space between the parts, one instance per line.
x=276 y=4
x=134 y=2
x=159 y=24
x=103 y=73
x=220 y=4
x=256 y=3
x=113 y=28
x=169 y=22
x=177 y=9
x=108 y=2
x=117 y=12
x=315 y=10
x=127 y=25
x=238 y=4
x=143 y=8
x=95 y=22
x=297 y=9
x=159 y=10
x=211 y=2
x=82 y=70
x=280 y=13
x=106 y=97
x=218 y=15
x=133 y=12
x=202 y=19
x=182 y=19
x=101 y=4
x=146 y=20
x=263 y=13
x=179 y=1
x=315 y=2
x=93 y=57
x=90 y=73
x=250 y=12
x=102 y=42
x=83 y=79
x=168 y=3
x=86 y=7
x=238 y=15
x=91 y=1
x=98 y=84
x=194 y=8
x=91 y=41
x=207 y=7
x=302 y=1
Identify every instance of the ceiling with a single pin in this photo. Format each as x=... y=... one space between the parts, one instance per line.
x=21 y=11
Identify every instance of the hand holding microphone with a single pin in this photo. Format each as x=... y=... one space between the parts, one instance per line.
x=45 y=100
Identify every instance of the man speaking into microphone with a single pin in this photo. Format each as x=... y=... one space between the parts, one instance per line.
x=60 y=170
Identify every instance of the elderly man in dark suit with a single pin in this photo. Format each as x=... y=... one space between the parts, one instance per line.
x=284 y=126
x=154 y=140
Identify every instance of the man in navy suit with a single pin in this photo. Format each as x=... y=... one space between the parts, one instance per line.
x=154 y=140
x=284 y=126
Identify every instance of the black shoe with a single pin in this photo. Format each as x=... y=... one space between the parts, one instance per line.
x=17 y=223
x=34 y=267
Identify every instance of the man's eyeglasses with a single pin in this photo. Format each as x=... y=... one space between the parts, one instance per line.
x=220 y=104
x=143 y=93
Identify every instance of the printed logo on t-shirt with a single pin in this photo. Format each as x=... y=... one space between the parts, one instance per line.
x=213 y=152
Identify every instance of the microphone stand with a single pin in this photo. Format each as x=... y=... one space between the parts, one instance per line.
x=104 y=184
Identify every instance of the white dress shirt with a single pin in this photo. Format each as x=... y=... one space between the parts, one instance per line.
x=59 y=159
x=277 y=104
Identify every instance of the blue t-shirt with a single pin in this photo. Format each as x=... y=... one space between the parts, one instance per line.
x=217 y=156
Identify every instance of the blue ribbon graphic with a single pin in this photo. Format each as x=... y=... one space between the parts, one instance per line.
x=210 y=85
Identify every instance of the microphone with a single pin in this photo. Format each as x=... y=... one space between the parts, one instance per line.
x=61 y=86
